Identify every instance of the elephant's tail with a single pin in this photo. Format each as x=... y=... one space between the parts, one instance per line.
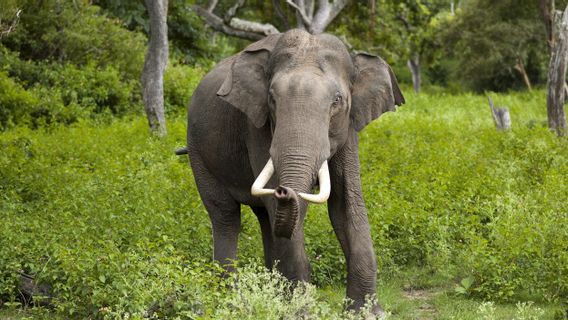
x=182 y=151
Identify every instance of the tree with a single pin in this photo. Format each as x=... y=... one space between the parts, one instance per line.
x=498 y=45
x=403 y=32
x=416 y=17
x=311 y=15
x=547 y=9
x=155 y=65
x=557 y=73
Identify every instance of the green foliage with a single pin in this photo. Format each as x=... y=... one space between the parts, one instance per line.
x=111 y=219
x=189 y=37
x=179 y=83
x=15 y=101
x=446 y=191
x=44 y=93
x=66 y=61
x=70 y=31
x=55 y=69
x=489 y=39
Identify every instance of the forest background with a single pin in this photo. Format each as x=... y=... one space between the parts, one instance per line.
x=107 y=222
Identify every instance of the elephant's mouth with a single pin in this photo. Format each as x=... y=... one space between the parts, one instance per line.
x=287 y=210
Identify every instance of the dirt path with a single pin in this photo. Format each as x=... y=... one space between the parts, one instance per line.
x=425 y=311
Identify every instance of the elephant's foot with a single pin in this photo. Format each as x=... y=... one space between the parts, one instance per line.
x=378 y=312
x=375 y=312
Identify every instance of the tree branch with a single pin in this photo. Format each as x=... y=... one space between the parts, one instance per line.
x=239 y=28
x=12 y=25
x=281 y=14
x=325 y=14
x=212 y=4
x=405 y=22
x=251 y=26
x=301 y=11
x=233 y=11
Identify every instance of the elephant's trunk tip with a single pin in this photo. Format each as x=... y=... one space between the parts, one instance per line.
x=182 y=151
x=286 y=212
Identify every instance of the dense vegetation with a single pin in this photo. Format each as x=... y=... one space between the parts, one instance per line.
x=110 y=217
x=103 y=214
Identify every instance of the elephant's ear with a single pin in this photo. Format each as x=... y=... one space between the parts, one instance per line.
x=246 y=85
x=374 y=91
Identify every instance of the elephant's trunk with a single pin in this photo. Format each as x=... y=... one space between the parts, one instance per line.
x=295 y=174
x=287 y=212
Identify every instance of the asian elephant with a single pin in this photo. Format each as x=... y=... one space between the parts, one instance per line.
x=267 y=125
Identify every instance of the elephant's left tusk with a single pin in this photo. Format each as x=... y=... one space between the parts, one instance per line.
x=257 y=188
x=325 y=187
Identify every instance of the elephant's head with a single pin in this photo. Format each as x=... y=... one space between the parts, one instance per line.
x=310 y=90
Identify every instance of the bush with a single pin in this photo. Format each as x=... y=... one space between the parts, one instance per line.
x=15 y=102
x=449 y=193
x=44 y=93
x=179 y=83
x=111 y=219
x=94 y=89
x=77 y=33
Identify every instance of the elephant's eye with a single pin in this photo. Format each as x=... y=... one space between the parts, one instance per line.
x=338 y=98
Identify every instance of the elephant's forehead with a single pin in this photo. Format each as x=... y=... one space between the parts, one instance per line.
x=298 y=47
x=307 y=42
x=298 y=44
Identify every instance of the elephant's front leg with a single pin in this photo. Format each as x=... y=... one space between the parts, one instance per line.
x=291 y=258
x=349 y=219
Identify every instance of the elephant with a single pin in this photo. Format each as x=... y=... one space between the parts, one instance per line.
x=268 y=125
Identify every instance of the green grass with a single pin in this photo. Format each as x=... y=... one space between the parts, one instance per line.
x=110 y=218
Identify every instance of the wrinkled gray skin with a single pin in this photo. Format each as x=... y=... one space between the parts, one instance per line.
x=299 y=99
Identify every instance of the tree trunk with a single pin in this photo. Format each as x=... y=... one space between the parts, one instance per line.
x=557 y=75
x=414 y=66
x=372 y=19
x=325 y=14
x=546 y=8
x=155 y=65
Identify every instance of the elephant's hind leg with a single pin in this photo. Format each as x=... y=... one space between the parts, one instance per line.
x=224 y=212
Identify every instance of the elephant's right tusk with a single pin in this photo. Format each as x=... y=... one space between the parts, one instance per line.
x=257 y=188
x=325 y=187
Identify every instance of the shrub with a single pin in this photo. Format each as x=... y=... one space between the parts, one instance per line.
x=111 y=218
x=15 y=102
x=76 y=32
x=54 y=93
x=179 y=83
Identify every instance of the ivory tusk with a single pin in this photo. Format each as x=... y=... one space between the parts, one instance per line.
x=257 y=188
x=324 y=188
